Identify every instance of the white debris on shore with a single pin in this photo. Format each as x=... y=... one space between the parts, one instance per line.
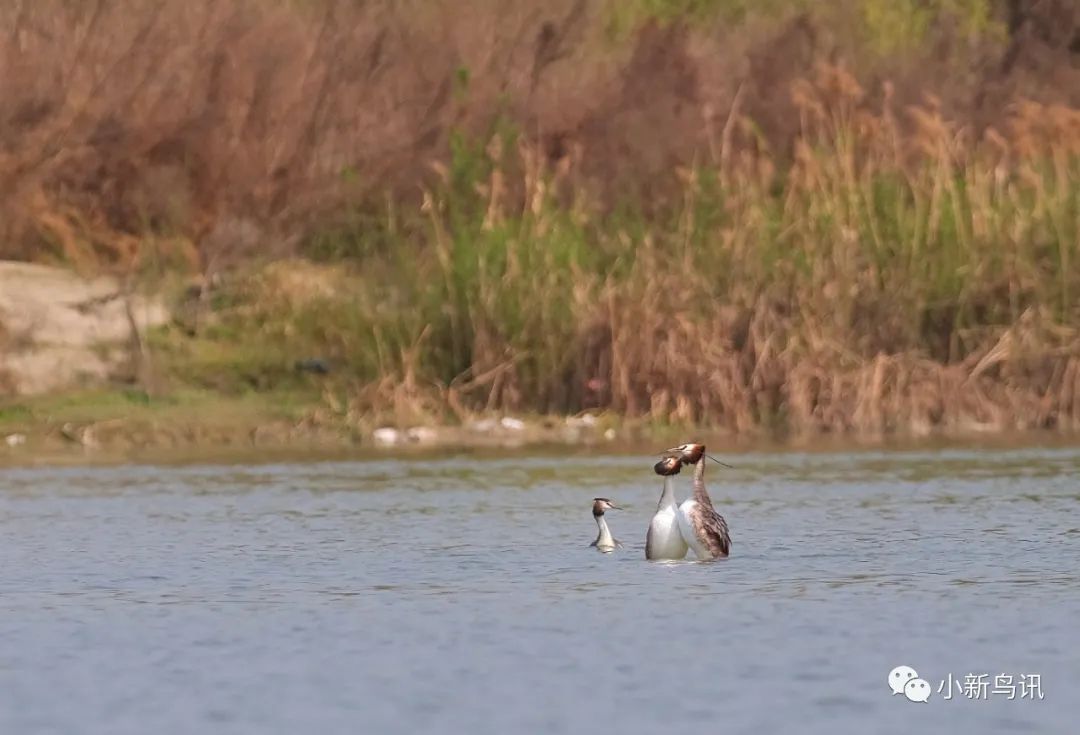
x=503 y=431
x=386 y=436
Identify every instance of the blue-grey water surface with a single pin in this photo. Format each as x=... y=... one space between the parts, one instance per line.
x=459 y=595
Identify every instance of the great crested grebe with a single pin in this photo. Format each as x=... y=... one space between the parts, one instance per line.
x=604 y=541
x=664 y=540
x=705 y=530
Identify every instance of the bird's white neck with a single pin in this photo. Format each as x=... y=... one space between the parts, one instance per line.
x=667 y=498
x=604 y=539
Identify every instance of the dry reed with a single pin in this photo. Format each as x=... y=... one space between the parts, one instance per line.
x=657 y=246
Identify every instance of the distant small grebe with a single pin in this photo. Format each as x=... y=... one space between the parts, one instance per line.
x=604 y=541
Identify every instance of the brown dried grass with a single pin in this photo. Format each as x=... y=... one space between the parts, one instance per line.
x=820 y=254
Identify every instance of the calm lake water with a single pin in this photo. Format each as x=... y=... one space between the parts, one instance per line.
x=460 y=595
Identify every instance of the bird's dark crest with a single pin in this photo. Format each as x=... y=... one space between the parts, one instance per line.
x=668 y=466
x=599 y=505
x=692 y=453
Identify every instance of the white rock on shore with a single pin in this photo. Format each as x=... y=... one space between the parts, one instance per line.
x=512 y=424
x=386 y=436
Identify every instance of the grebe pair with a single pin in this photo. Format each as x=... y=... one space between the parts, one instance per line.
x=676 y=528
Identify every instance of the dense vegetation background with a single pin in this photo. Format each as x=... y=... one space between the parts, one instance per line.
x=775 y=215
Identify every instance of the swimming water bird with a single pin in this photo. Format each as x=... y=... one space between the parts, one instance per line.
x=703 y=529
x=664 y=540
x=604 y=542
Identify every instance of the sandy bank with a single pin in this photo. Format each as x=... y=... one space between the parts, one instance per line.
x=59 y=330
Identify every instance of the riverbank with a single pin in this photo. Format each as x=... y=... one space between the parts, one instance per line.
x=110 y=427
x=284 y=358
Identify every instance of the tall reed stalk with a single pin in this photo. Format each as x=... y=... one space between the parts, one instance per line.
x=899 y=274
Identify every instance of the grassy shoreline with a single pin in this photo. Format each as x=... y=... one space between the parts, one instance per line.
x=108 y=427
